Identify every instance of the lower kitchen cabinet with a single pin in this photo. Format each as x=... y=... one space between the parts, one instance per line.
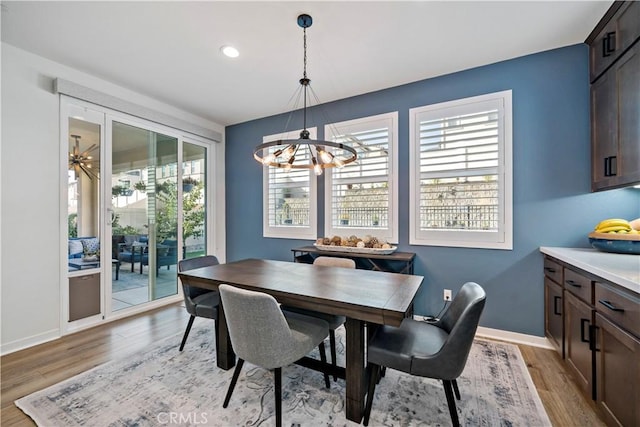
x=618 y=373
x=597 y=297
x=577 y=330
x=553 y=325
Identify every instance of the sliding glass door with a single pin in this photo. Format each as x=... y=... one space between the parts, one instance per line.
x=194 y=205
x=136 y=205
x=144 y=229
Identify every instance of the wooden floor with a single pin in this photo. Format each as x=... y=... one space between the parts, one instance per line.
x=38 y=367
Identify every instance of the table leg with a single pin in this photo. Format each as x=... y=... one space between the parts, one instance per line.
x=225 y=356
x=354 y=399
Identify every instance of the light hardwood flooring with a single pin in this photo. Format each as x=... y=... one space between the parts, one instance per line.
x=30 y=370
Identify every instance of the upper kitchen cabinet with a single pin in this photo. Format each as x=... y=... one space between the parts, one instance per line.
x=615 y=97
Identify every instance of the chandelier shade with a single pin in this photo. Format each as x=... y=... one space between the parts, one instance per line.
x=318 y=154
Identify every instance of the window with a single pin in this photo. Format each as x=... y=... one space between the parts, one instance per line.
x=362 y=197
x=289 y=198
x=461 y=179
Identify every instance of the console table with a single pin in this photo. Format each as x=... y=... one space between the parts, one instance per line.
x=396 y=262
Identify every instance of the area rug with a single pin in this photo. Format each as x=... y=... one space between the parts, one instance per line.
x=162 y=386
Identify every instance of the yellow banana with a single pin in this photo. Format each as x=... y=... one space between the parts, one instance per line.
x=613 y=228
x=612 y=222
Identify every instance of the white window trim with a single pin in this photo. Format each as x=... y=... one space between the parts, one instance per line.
x=503 y=239
x=292 y=231
x=390 y=234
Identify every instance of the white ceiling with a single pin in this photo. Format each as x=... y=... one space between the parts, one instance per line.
x=170 y=50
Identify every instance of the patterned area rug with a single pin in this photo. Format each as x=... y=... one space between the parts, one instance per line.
x=162 y=386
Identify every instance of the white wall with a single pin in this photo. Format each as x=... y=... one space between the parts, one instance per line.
x=30 y=187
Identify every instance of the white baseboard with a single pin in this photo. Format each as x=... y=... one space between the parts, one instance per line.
x=27 y=342
x=512 y=337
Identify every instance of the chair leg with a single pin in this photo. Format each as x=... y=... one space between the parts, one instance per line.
x=186 y=333
x=332 y=342
x=323 y=358
x=234 y=379
x=374 y=372
x=217 y=337
x=277 y=377
x=448 y=391
x=456 y=391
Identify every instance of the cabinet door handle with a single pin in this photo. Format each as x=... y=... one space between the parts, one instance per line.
x=609 y=44
x=550 y=269
x=555 y=305
x=611 y=166
x=593 y=329
x=572 y=283
x=582 y=334
x=610 y=306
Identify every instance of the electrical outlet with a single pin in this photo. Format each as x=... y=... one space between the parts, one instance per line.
x=447 y=295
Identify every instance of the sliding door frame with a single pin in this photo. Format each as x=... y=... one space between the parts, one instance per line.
x=215 y=209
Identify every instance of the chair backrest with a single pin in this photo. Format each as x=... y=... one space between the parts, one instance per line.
x=197 y=262
x=460 y=321
x=191 y=292
x=334 y=262
x=258 y=330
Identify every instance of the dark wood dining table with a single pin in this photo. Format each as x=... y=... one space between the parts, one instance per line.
x=364 y=297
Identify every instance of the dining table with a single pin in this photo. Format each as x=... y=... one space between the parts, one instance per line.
x=366 y=298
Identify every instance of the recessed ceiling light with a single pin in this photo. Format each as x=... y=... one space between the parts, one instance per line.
x=230 y=51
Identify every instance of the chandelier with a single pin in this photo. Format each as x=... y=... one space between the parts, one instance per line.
x=82 y=161
x=285 y=153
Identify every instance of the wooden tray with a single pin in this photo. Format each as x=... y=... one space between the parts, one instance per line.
x=350 y=249
x=614 y=236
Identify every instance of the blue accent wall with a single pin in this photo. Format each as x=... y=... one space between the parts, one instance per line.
x=552 y=202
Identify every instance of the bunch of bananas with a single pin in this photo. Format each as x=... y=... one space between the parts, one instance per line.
x=614 y=225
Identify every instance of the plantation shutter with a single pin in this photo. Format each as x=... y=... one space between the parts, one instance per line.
x=461 y=185
x=360 y=190
x=459 y=166
x=288 y=197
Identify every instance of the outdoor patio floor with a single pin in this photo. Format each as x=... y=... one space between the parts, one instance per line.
x=133 y=288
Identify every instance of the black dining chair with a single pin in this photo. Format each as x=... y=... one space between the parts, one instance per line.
x=261 y=334
x=334 y=321
x=199 y=302
x=436 y=350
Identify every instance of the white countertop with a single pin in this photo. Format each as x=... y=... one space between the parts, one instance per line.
x=621 y=269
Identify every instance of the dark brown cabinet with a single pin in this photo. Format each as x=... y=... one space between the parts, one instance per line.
x=618 y=370
x=554 y=304
x=617 y=354
x=578 y=355
x=615 y=33
x=595 y=325
x=615 y=98
x=553 y=324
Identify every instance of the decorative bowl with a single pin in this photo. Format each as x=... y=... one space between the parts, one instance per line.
x=616 y=243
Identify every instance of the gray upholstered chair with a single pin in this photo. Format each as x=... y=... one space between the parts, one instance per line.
x=435 y=350
x=333 y=320
x=263 y=336
x=199 y=302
